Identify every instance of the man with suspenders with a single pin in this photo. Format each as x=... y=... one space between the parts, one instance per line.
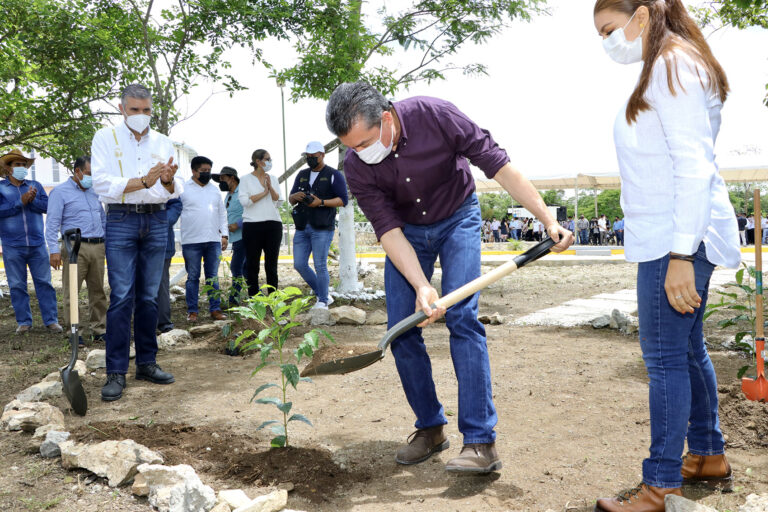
x=134 y=174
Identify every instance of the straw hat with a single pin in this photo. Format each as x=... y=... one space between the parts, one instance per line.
x=12 y=155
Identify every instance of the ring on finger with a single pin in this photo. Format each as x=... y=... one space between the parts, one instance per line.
x=678 y=296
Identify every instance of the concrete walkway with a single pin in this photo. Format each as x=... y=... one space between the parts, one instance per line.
x=583 y=311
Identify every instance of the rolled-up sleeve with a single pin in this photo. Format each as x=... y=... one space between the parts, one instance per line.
x=684 y=117
x=378 y=208
x=470 y=141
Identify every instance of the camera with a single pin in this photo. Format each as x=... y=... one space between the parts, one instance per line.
x=308 y=199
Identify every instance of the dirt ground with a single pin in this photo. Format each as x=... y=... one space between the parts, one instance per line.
x=572 y=405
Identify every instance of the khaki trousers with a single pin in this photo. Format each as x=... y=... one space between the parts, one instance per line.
x=90 y=268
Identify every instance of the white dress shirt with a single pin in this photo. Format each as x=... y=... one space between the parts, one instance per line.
x=203 y=215
x=265 y=208
x=672 y=194
x=116 y=157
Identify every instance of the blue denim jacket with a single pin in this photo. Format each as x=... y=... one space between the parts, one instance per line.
x=22 y=225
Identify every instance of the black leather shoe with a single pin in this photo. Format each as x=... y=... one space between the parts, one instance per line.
x=114 y=387
x=153 y=373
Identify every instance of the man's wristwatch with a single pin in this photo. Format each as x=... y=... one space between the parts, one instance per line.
x=144 y=181
x=322 y=202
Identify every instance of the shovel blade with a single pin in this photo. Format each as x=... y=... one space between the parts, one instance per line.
x=346 y=365
x=73 y=390
x=755 y=389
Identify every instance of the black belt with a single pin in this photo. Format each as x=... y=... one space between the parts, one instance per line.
x=136 y=208
x=92 y=240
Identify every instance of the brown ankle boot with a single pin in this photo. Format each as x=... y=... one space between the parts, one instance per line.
x=475 y=458
x=643 y=498
x=422 y=444
x=710 y=470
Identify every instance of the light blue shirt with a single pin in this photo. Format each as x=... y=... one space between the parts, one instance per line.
x=70 y=207
x=619 y=224
x=234 y=215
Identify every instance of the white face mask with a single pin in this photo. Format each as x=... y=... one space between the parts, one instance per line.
x=377 y=151
x=622 y=51
x=268 y=165
x=138 y=122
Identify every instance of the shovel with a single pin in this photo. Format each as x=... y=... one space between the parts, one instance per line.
x=351 y=364
x=70 y=380
x=757 y=388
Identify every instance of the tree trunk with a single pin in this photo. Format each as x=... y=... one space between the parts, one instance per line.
x=348 y=282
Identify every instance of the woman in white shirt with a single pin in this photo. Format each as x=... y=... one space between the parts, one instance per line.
x=679 y=224
x=259 y=193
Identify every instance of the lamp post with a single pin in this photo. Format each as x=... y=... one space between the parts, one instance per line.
x=281 y=84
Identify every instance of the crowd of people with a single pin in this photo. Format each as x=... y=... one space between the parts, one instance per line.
x=125 y=199
x=595 y=231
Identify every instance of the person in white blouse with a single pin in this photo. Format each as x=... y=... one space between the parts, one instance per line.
x=260 y=195
x=134 y=175
x=679 y=224
x=204 y=234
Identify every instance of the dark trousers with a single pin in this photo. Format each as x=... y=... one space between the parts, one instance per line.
x=164 y=299
x=262 y=237
x=751 y=236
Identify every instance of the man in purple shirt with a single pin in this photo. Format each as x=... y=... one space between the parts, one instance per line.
x=408 y=167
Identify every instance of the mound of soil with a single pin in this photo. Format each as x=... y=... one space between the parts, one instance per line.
x=333 y=353
x=229 y=456
x=744 y=422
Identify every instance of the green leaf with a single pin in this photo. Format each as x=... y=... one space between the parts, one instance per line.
x=262 y=388
x=278 y=442
x=305 y=379
x=740 y=276
x=286 y=407
x=278 y=429
x=291 y=373
x=269 y=400
x=742 y=371
x=266 y=424
x=300 y=417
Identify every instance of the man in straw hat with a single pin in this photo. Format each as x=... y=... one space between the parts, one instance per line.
x=22 y=205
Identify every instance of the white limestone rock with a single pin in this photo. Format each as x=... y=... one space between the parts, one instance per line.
x=28 y=416
x=234 y=498
x=755 y=503
x=118 y=461
x=41 y=391
x=674 y=503
x=348 y=315
x=320 y=316
x=173 y=337
x=202 y=330
x=377 y=317
x=96 y=359
x=176 y=488
x=271 y=502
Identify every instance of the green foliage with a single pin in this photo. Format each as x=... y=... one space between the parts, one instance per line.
x=340 y=42
x=553 y=197
x=494 y=204
x=282 y=306
x=608 y=203
x=738 y=300
x=516 y=245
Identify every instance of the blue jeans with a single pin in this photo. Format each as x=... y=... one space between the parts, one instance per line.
x=683 y=386
x=135 y=247
x=237 y=267
x=318 y=242
x=208 y=252
x=16 y=260
x=455 y=241
x=584 y=236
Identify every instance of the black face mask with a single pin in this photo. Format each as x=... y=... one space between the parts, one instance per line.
x=224 y=187
x=312 y=161
x=204 y=177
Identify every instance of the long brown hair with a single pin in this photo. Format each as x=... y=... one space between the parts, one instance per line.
x=669 y=22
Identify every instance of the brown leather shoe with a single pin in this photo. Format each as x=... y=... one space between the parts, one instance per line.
x=643 y=498
x=422 y=444
x=192 y=317
x=475 y=458
x=710 y=470
x=218 y=315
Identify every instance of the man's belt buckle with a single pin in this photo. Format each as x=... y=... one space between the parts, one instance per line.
x=144 y=208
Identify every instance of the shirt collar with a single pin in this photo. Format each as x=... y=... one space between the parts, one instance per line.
x=403 y=131
x=127 y=131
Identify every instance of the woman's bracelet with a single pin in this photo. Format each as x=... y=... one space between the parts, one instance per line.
x=685 y=257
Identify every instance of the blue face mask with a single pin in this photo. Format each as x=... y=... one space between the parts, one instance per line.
x=20 y=173
x=86 y=181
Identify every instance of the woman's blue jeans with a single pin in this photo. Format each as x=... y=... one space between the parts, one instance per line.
x=683 y=386
x=455 y=241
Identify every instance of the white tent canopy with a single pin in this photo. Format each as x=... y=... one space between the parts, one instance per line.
x=603 y=181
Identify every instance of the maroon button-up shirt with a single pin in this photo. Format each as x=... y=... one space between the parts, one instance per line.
x=428 y=177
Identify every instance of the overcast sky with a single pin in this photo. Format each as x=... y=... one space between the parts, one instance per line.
x=550 y=99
